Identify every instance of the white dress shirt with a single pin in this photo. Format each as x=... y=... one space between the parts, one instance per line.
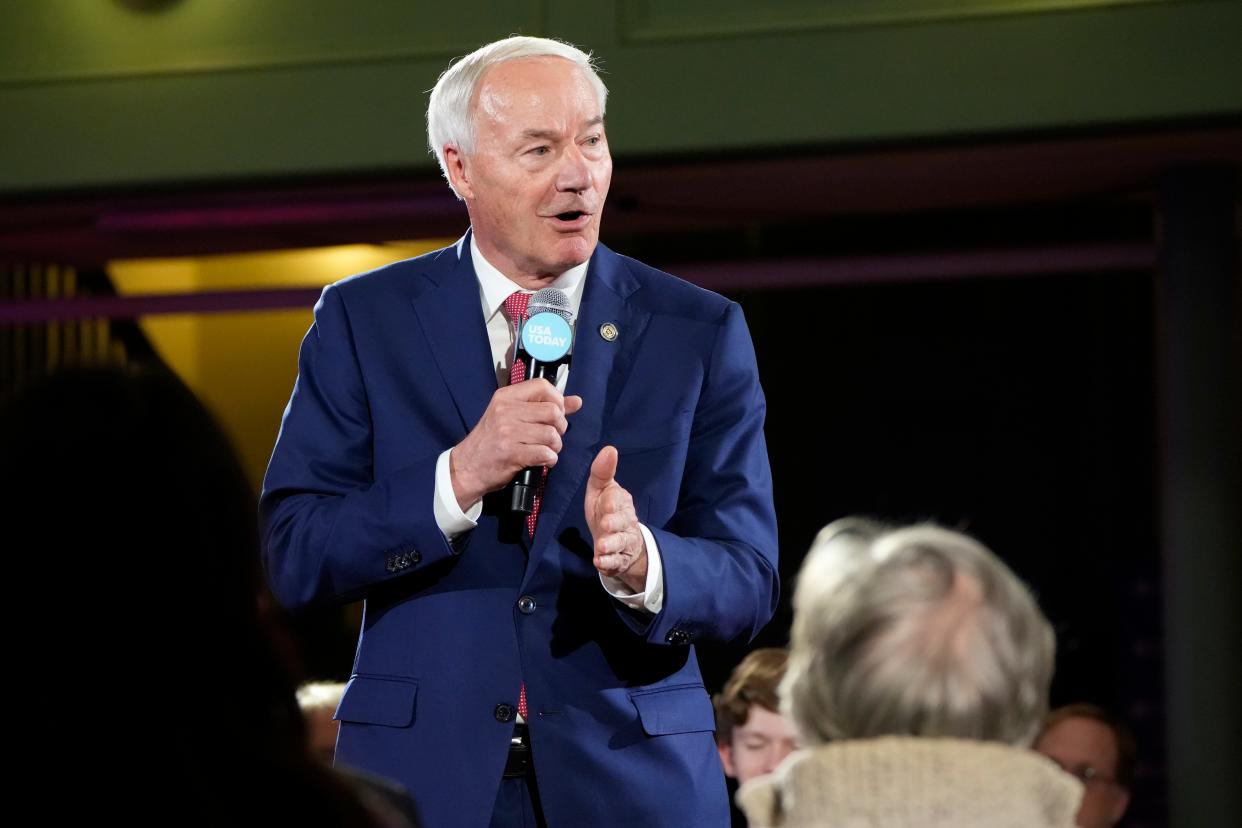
x=494 y=288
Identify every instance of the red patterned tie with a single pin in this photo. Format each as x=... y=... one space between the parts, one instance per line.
x=515 y=309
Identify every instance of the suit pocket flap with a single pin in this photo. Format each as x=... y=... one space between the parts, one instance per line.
x=381 y=701
x=674 y=710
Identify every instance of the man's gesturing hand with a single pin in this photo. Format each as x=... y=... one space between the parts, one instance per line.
x=619 y=548
x=521 y=427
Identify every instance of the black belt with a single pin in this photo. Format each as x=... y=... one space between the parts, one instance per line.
x=518 y=763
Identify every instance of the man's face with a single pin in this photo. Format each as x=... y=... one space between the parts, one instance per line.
x=1086 y=748
x=536 y=181
x=758 y=746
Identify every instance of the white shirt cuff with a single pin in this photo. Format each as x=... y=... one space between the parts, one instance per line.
x=651 y=598
x=449 y=516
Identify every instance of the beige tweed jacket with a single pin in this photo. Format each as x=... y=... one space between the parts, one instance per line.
x=905 y=782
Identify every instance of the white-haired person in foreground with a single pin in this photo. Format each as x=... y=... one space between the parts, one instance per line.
x=918 y=676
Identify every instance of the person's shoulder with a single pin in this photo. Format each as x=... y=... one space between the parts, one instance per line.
x=663 y=293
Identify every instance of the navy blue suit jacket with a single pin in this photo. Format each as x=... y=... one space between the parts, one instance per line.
x=397 y=368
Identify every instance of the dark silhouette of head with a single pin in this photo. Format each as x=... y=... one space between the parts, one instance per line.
x=133 y=557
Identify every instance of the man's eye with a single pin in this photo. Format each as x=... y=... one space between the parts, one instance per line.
x=593 y=141
x=540 y=151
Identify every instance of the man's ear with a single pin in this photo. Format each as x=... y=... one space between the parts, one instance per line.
x=458 y=170
x=726 y=758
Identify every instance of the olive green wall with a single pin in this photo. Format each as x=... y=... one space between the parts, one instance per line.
x=97 y=93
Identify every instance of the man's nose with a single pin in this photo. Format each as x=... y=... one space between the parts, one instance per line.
x=776 y=754
x=574 y=174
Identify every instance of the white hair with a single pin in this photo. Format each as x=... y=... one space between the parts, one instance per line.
x=920 y=632
x=450 y=119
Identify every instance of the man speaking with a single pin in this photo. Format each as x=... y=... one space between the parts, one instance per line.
x=528 y=657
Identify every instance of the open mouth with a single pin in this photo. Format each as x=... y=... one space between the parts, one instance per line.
x=572 y=215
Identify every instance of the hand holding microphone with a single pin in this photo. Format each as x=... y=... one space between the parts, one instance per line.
x=521 y=430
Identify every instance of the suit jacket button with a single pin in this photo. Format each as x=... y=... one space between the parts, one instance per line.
x=676 y=636
x=504 y=712
x=415 y=556
x=526 y=605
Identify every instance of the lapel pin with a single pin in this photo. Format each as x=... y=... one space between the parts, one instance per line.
x=608 y=331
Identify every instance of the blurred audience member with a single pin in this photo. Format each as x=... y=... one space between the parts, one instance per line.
x=918 y=674
x=318 y=700
x=752 y=735
x=132 y=558
x=1097 y=747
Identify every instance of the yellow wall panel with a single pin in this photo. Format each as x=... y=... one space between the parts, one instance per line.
x=243 y=364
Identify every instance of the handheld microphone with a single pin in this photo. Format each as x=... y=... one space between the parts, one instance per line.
x=544 y=343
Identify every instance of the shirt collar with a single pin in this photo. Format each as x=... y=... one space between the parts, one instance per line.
x=495 y=287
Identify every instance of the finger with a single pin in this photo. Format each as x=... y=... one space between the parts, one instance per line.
x=573 y=404
x=612 y=559
x=615 y=500
x=615 y=523
x=528 y=444
x=605 y=545
x=534 y=390
x=610 y=565
x=618 y=543
x=511 y=433
x=533 y=434
x=614 y=563
x=544 y=412
x=603 y=469
x=527 y=456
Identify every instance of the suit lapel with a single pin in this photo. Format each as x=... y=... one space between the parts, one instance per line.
x=451 y=316
x=597 y=374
